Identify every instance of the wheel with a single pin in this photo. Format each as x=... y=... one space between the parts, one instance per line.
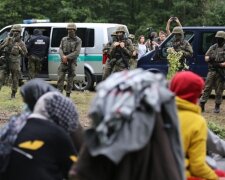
x=87 y=84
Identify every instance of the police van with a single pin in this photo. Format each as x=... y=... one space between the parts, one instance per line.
x=90 y=61
x=201 y=38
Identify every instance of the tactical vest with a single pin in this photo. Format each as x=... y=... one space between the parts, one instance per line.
x=69 y=45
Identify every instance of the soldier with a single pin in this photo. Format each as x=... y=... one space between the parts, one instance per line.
x=4 y=60
x=179 y=44
x=120 y=53
x=107 y=70
x=70 y=47
x=133 y=61
x=15 y=48
x=215 y=57
x=37 y=48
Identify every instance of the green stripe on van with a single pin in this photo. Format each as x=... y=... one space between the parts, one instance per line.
x=56 y=58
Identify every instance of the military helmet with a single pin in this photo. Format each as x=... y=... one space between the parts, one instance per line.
x=220 y=34
x=120 y=29
x=71 y=26
x=16 y=27
x=177 y=30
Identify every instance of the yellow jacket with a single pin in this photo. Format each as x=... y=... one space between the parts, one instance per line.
x=194 y=135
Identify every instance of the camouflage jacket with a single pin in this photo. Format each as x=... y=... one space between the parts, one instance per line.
x=70 y=47
x=183 y=46
x=216 y=55
x=15 y=49
x=115 y=52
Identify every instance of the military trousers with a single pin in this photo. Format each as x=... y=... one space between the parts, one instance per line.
x=213 y=79
x=34 y=65
x=64 y=69
x=14 y=69
x=3 y=75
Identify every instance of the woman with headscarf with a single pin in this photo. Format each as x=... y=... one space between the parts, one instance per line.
x=30 y=92
x=43 y=148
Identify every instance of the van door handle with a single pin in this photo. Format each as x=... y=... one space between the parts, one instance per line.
x=53 y=50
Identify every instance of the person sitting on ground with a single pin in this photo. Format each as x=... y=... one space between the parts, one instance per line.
x=128 y=138
x=193 y=124
x=43 y=149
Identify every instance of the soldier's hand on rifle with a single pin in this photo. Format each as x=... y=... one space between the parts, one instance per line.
x=116 y=44
x=64 y=60
x=122 y=44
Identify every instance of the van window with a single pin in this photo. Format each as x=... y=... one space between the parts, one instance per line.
x=86 y=35
x=207 y=39
x=188 y=35
x=4 y=34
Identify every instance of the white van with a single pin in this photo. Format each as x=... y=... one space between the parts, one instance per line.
x=90 y=62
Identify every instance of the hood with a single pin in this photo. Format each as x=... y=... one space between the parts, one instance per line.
x=33 y=90
x=187 y=85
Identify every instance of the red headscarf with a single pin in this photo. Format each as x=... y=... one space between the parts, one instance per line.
x=187 y=85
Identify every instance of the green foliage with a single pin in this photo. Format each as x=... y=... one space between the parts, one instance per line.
x=174 y=62
x=220 y=131
x=137 y=15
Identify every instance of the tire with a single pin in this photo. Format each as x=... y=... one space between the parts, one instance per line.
x=88 y=83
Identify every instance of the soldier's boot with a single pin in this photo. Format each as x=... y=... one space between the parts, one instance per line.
x=13 y=95
x=217 y=108
x=67 y=94
x=202 y=105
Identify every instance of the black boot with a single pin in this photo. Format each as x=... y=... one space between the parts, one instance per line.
x=13 y=95
x=217 y=108
x=67 y=94
x=202 y=105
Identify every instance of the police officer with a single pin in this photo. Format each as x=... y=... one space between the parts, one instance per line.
x=215 y=57
x=69 y=51
x=16 y=49
x=180 y=44
x=37 y=48
x=120 y=53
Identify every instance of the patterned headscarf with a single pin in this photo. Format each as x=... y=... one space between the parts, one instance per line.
x=30 y=92
x=57 y=108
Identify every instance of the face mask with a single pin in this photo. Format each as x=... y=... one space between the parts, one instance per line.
x=178 y=37
x=16 y=36
x=220 y=42
x=71 y=33
x=120 y=36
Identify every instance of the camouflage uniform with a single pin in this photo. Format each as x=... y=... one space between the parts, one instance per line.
x=107 y=69
x=133 y=60
x=119 y=57
x=15 y=48
x=70 y=47
x=179 y=44
x=216 y=74
x=37 y=48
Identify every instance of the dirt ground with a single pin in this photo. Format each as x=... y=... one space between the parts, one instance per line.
x=83 y=106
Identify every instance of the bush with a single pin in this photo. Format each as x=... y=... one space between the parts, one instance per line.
x=220 y=131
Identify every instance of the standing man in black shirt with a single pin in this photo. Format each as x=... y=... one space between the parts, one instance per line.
x=37 y=50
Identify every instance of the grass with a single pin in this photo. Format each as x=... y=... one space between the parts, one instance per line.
x=82 y=100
